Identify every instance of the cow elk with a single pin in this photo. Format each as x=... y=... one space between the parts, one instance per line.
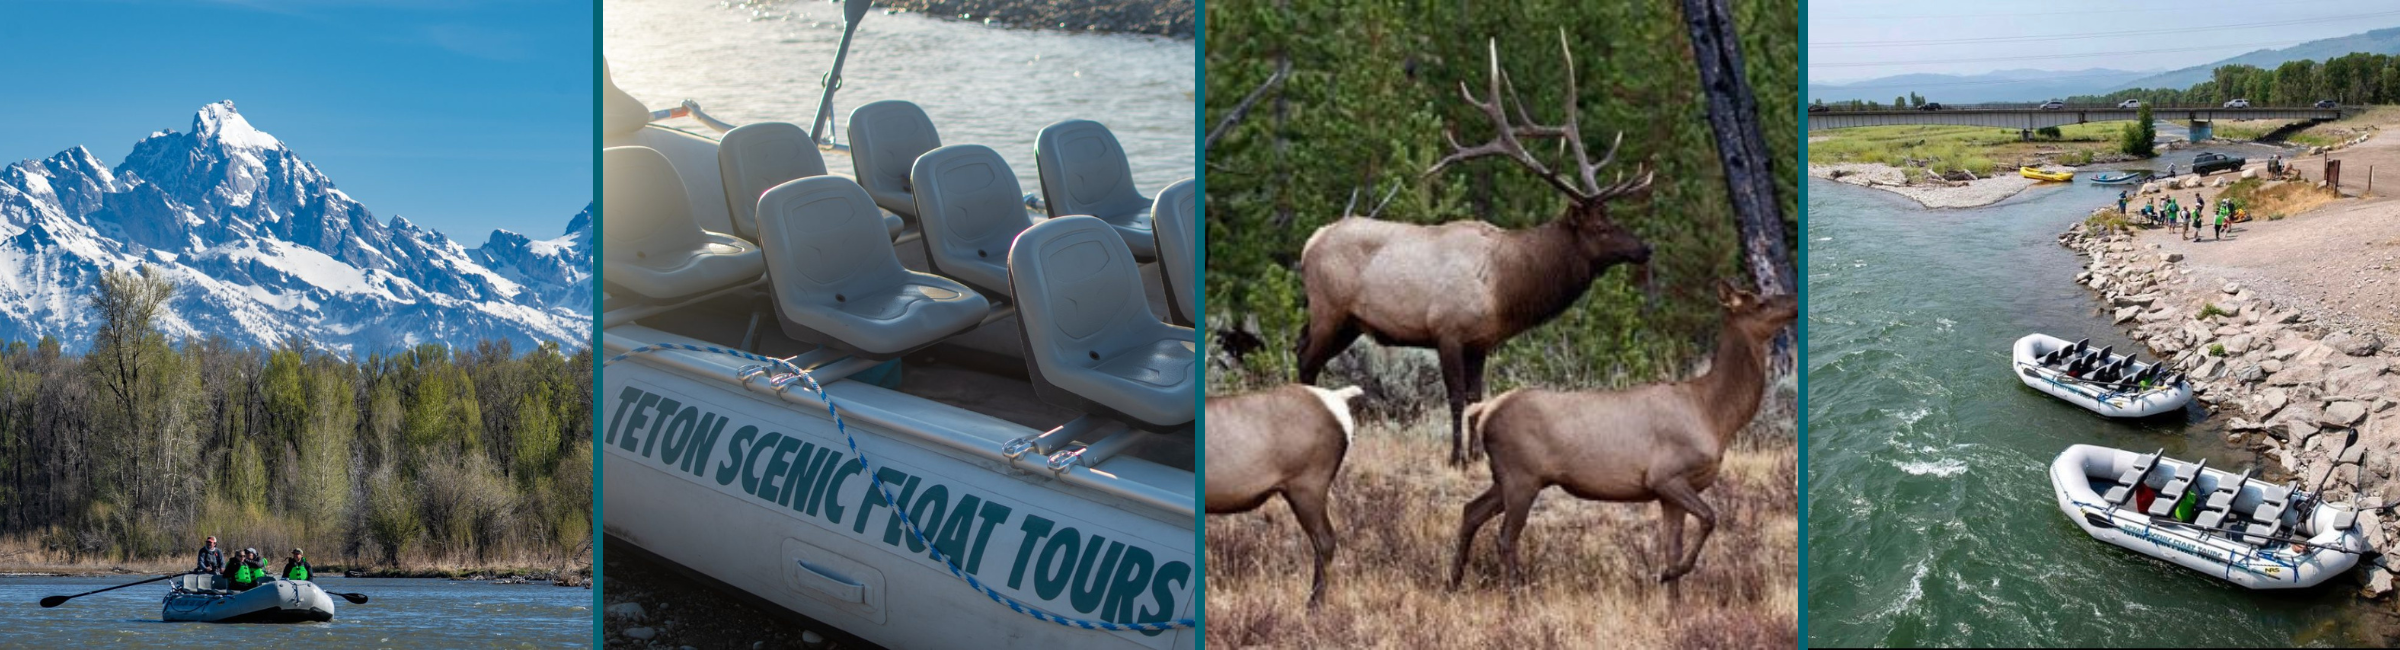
x=1288 y=441
x=1659 y=442
x=1463 y=288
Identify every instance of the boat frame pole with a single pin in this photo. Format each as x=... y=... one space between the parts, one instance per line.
x=852 y=12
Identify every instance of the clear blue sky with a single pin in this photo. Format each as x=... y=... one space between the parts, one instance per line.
x=1851 y=40
x=461 y=116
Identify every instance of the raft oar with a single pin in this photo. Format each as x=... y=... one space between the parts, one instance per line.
x=355 y=599
x=54 y=601
x=2110 y=522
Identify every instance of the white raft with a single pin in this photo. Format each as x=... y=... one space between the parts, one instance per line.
x=2243 y=529
x=203 y=598
x=2113 y=399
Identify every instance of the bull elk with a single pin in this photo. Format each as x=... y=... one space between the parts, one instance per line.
x=1465 y=287
x=1660 y=442
x=1288 y=441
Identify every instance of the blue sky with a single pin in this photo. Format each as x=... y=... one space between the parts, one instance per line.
x=1850 y=40
x=461 y=116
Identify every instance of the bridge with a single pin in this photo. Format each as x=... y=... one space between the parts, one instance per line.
x=2028 y=119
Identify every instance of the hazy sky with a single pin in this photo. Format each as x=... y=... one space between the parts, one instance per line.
x=461 y=116
x=1851 y=40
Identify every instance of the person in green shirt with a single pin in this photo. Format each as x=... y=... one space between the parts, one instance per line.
x=295 y=568
x=2223 y=211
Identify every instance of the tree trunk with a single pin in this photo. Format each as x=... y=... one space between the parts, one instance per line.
x=1742 y=147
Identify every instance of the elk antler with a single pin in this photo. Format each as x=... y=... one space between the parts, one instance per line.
x=1347 y=210
x=1585 y=185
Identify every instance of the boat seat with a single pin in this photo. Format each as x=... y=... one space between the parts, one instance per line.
x=838 y=282
x=1091 y=341
x=885 y=139
x=2257 y=532
x=1174 y=220
x=2220 y=501
x=2271 y=502
x=971 y=210
x=1084 y=172
x=2178 y=484
x=653 y=247
x=2132 y=477
x=754 y=158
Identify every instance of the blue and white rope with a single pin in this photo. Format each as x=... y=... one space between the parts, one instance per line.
x=877 y=481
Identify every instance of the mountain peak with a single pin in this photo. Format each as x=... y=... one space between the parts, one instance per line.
x=220 y=122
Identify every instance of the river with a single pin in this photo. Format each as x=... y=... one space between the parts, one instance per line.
x=400 y=613
x=761 y=61
x=1930 y=517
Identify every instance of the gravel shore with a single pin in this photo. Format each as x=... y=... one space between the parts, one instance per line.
x=1945 y=194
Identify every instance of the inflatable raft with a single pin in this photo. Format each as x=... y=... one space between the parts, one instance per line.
x=2114 y=385
x=2239 y=529
x=2039 y=175
x=203 y=598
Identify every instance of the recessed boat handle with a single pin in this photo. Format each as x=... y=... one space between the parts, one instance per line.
x=833 y=584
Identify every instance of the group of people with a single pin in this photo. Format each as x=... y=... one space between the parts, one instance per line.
x=2190 y=220
x=248 y=570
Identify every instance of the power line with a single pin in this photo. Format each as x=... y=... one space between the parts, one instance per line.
x=2085 y=35
x=1814 y=65
x=2171 y=6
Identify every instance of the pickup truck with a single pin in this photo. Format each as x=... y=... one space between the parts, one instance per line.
x=2210 y=163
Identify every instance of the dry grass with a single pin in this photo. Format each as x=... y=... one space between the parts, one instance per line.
x=1592 y=565
x=2271 y=201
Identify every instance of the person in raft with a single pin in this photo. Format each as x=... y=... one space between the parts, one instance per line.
x=212 y=559
x=246 y=571
x=295 y=568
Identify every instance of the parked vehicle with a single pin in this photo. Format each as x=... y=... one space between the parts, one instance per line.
x=2210 y=163
x=1930 y=106
x=2327 y=103
x=2237 y=103
x=1816 y=108
x=2130 y=103
x=2053 y=105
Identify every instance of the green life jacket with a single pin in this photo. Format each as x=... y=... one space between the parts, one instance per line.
x=244 y=575
x=297 y=572
x=2185 y=507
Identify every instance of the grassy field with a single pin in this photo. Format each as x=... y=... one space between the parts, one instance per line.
x=1593 y=566
x=1972 y=148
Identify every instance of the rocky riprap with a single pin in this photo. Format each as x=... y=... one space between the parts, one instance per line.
x=1171 y=18
x=2316 y=399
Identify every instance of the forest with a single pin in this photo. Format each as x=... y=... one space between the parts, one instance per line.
x=1371 y=88
x=420 y=457
x=2351 y=79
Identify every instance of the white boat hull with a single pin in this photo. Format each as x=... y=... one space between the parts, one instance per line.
x=689 y=451
x=2276 y=566
x=279 y=601
x=2096 y=398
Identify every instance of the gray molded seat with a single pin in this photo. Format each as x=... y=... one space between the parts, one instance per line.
x=2132 y=477
x=1084 y=172
x=654 y=248
x=971 y=210
x=885 y=139
x=837 y=281
x=2177 y=484
x=1091 y=341
x=1175 y=220
x=2220 y=501
x=754 y=158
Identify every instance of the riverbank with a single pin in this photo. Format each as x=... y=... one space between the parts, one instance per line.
x=2286 y=328
x=18 y=558
x=1170 y=18
x=1932 y=192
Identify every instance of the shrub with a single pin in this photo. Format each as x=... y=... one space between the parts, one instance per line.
x=2210 y=310
x=2216 y=349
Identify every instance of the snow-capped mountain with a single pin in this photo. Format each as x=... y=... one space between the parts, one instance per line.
x=262 y=246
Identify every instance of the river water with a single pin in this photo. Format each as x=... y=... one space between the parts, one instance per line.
x=1931 y=520
x=400 y=613
x=762 y=61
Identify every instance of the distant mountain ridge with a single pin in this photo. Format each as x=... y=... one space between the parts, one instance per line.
x=1997 y=86
x=262 y=247
x=2381 y=41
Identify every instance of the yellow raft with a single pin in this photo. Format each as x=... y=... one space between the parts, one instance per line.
x=2040 y=175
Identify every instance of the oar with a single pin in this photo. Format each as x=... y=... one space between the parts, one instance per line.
x=852 y=12
x=54 y=601
x=2107 y=522
x=355 y=599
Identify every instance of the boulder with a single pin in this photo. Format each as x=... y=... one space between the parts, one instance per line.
x=2271 y=401
x=2127 y=314
x=2343 y=413
x=2356 y=345
x=2233 y=287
